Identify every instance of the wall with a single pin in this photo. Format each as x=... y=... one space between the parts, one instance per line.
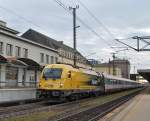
x=33 y=53
x=109 y=70
x=10 y=95
x=33 y=50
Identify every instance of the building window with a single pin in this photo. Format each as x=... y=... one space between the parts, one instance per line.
x=66 y=54
x=25 y=53
x=1 y=47
x=42 y=57
x=56 y=59
x=52 y=59
x=11 y=76
x=18 y=51
x=47 y=59
x=62 y=53
x=69 y=55
x=72 y=55
x=9 y=49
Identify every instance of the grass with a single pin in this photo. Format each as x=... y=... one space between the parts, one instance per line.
x=40 y=116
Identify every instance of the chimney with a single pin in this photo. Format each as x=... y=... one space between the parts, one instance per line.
x=3 y=23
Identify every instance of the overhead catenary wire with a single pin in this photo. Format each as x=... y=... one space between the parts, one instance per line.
x=99 y=22
x=94 y=32
x=82 y=22
x=64 y=7
x=96 y=19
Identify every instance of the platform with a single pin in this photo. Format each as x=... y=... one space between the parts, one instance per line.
x=17 y=94
x=137 y=109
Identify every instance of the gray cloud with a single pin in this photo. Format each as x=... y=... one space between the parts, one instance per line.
x=124 y=18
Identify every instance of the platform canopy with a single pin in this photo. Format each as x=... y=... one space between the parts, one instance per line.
x=14 y=61
x=31 y=63
x=145 y=73
x=3 y=59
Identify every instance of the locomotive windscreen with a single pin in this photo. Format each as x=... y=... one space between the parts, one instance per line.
x=52 y=73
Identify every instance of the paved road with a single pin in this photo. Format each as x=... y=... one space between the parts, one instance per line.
x=137 y=109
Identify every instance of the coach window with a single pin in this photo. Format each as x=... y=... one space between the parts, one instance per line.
x=25 y=53
x=42 y=57
x=9 y=49
x=112 y=82
x=1 y=47
x=18 y=51
x=107 y=81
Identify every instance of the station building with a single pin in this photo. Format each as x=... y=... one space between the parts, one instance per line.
x=22 y=59
x=106 y=68
x=120 y=67
x=65 y=53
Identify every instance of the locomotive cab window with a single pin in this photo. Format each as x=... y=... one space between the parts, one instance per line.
x=69 y=74
x=52 y=73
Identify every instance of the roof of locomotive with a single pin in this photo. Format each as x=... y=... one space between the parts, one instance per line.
x=69 y=67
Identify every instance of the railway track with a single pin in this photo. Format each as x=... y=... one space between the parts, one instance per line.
x=95 y=113
x=20 y=109
x=25 y=109
x=70 y=111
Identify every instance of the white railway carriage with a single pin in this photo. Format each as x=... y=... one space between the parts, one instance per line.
x=113 y=83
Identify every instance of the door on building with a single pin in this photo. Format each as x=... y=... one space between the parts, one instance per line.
x=11 y=76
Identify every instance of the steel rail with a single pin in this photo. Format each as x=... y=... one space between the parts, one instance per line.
x=95 y=113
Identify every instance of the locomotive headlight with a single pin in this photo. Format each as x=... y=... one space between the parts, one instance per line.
x=40 y=85
x=61 y=85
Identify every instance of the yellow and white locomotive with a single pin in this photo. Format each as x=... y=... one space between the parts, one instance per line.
x=65 y=81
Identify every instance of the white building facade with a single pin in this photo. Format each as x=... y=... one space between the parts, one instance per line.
x=66 y=53
x=21 y=59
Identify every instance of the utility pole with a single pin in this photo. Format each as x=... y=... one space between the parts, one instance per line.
x=74 y=33
x=134 y=69
x=114 y=70
x=109 y=66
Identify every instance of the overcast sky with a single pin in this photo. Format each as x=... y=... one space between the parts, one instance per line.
x=123 y=18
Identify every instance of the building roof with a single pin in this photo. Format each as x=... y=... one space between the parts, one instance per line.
x=40 y=38
x=5 y=28
x=26 y=40
x=120 y=61
x=47 y=41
